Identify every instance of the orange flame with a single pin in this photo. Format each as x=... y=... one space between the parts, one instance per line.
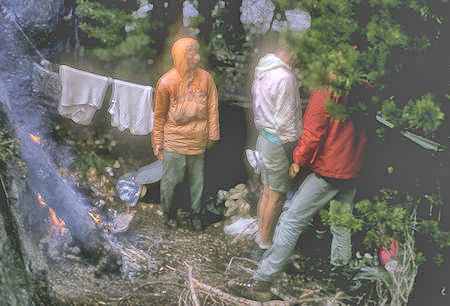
x=36 y=139
x=95 y=218
x=58 y=224
x=41 y=200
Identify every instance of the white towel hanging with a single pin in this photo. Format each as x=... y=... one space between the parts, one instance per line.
x=132 y=107
x=81 y=95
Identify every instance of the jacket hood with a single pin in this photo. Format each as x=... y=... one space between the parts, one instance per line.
x=179 y=54
x=267 y=63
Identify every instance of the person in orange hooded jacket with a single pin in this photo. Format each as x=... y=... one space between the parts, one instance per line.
x=186 y=122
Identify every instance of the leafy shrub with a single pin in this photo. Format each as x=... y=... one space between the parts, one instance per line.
x=423 y=114
x=340 y=215
x=117 y=33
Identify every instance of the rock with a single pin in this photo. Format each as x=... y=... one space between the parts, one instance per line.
x=39 y=14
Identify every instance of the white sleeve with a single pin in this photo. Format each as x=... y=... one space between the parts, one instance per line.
x=287 y=111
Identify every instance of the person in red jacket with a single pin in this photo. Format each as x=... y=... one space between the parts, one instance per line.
x=334 y=151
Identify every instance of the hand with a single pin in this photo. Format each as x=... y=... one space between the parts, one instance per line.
x=210 y=144
x=158 y=152
x=293 y=170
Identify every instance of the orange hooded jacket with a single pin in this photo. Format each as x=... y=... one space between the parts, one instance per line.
x=186 y=112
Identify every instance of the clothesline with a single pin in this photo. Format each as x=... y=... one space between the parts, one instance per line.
x=83 y=93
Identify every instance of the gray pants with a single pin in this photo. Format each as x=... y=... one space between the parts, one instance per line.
x=313 y=194
x=174 y=168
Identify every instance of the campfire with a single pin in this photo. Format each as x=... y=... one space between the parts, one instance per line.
x=57 y=225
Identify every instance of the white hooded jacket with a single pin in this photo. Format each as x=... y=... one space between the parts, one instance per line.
x=276 y=99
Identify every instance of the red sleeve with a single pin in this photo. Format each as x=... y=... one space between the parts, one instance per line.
x=315 y=126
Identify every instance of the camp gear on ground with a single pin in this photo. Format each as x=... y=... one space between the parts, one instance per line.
x=421 y=141
x=330 y=147
x=120 y=223
x=131 y=107
x=128 y=190
x=313 y=194
x=186 y=113
x=245 y=227
x=388 y=253
x=275 y=165
x=174 y=167
x=236 y=203
x=276 y=99
x=129 y=186
x=81 y=95
x=149 y=174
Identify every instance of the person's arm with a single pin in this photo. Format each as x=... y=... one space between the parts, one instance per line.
x=213 y=114
x=315 y=126
x=287 y=110
x=161 y=107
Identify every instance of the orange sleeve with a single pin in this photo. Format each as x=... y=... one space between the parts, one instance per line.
x=161 y=107
x=213 y=111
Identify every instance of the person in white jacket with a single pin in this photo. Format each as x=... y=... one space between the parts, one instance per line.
x=277 y=116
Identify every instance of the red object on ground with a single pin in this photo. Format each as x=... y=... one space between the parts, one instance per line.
x=385 y=255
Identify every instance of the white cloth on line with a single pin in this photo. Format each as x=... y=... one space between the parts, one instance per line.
x=81 y=95
x=132 y=107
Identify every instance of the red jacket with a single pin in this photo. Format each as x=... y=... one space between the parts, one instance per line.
x=329 y=147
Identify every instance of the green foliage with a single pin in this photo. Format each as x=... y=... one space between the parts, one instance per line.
x=336 y=110
x=432 y=229
x=9 y=153
x=391 y=112
x=344 y=48
x=325 y=48
x=423 y=114
x=340 y=215
x=90 y=160
x=224 y=36
x=119 y=35
x=8 y=147
x=380 y=220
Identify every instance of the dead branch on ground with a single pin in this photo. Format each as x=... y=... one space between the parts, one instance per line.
x=240 y=258
x=191 y=285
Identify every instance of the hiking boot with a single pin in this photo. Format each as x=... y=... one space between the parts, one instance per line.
x=197 y=224
x=251 y=289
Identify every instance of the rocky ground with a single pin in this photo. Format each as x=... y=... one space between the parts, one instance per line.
x=75 y=281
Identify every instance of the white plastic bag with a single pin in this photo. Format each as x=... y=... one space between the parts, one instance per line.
x=244 y=227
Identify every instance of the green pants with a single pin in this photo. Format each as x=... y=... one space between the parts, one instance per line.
x=174 y=167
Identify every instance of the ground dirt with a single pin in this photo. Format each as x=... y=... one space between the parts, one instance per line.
x=76 y=282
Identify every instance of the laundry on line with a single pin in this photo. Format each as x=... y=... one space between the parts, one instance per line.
x=83 y=93
x=131 y=107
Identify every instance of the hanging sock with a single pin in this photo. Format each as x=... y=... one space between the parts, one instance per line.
x=132 y=107
x=81 y=95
